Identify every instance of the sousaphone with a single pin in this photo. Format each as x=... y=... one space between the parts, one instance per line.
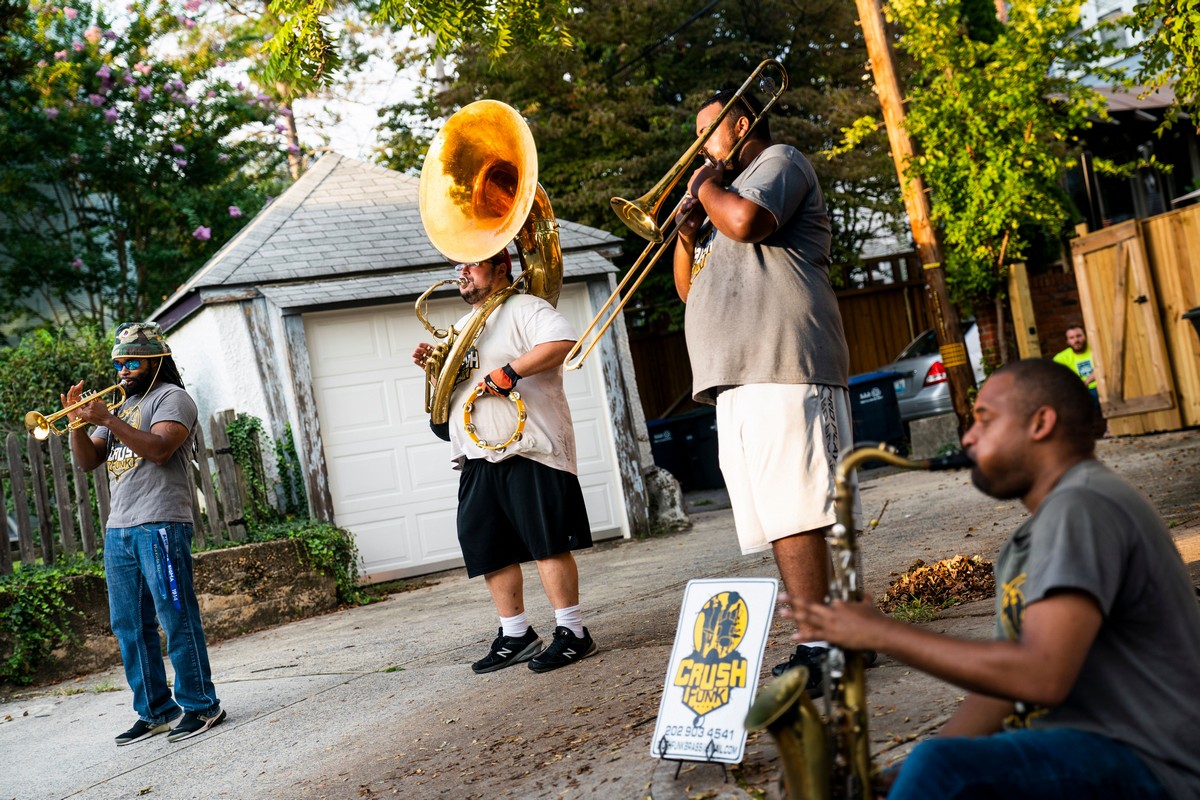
x=478 y=192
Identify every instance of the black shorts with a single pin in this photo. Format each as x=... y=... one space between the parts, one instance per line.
x=518 y=510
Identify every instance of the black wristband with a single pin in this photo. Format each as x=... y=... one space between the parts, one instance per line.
x=511 y=373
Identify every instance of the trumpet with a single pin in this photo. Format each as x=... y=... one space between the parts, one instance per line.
x=830 y=757
x=641 y=214
x=41 y=426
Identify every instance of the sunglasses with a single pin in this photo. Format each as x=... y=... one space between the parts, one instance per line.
x=131 y=364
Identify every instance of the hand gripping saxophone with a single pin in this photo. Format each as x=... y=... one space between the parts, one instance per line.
x=478 y=192
x=829 y=756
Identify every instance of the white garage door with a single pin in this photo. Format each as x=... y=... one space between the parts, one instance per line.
x=390 y=477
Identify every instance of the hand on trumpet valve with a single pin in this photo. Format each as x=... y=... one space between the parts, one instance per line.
x=93 y=413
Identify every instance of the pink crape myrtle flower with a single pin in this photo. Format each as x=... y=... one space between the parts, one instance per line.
x=234 y=211
x=104 y=73
x=70 y=13
x=181 y=162
x=178 y=148
x=51 y=113
x=61 y=55
x=111 y=115
x=142 y=67
x=78 y=46
x=145 y=92
x=93 y=34
x=77 y=264
x=202 y=233
x=96 y=100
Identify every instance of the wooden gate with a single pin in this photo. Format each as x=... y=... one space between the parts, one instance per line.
x=1120 y=312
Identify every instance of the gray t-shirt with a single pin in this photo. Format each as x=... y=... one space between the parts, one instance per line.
x=1097 y=534
x=766 y=312
x=144 y=492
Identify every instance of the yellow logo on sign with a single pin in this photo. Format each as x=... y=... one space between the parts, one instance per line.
x=715 y=666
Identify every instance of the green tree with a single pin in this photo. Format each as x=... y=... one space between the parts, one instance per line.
x=995 y=120
x=613 y=113
x=124 y=168
x=304 y=48
x=1170 y=51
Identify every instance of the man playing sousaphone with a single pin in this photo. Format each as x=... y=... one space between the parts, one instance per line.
x=522 y=502
x=1088 y=689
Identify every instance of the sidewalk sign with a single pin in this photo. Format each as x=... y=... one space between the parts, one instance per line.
x=714 y=668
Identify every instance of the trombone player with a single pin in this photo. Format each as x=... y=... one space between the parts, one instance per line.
x=765 y=340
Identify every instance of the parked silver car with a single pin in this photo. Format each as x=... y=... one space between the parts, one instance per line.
x=922 y=387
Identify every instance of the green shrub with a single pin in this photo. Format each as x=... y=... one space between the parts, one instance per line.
x=327 y=547
x=44 y=364
x=35 y=615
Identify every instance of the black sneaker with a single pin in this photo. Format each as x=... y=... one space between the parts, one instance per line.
x=567 y=648
x=194 y=724
x=142 y=730
x=509 y=650
x=814 y=659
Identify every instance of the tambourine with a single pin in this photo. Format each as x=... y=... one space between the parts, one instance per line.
x=469 y=406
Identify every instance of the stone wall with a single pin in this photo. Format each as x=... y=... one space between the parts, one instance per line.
x=240 y=589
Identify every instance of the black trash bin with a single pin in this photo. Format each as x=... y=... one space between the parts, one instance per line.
x=670 y=449
x=686 y=447
x=874 y=408
x=701 y=439
x=1193 y=315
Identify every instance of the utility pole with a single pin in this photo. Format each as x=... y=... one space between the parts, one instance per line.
x=916 y=202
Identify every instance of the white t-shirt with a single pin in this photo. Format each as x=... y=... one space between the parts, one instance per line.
x=521 y=323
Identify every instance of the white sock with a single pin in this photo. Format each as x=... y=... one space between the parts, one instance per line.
x=571 y=618
x=819 y=643
x=515 y=626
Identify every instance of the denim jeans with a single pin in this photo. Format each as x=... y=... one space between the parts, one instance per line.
x=141 y=596
x=1057 y=764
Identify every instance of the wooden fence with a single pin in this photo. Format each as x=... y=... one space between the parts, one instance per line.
x=884 y=311
x=60 y=510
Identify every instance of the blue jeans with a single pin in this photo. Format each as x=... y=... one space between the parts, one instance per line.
x=142 y=595
x=1057 y=764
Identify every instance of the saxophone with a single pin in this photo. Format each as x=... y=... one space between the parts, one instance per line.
x=830 y=757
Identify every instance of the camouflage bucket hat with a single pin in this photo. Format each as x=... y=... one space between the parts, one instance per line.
x=143 y=339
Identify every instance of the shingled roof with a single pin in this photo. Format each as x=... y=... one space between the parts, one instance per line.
x=346 y=231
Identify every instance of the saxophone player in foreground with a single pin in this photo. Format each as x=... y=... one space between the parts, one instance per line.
x=1088 y=689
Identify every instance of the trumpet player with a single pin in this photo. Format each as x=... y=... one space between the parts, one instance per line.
x=1089 y=687
x=523 y=503
x=146 y=446
x=765 y=340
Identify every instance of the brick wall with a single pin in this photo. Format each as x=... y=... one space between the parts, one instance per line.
x=1056 y=307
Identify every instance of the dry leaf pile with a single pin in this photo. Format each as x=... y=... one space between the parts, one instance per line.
x=948 y=582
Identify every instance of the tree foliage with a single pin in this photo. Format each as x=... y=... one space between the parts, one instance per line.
x=305 y=48
x=613 y=113
x=994 y=123
x=1170 y=51
x=125 y=166
x=35 y=372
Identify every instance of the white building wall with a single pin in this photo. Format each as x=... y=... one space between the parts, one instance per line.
x=217 y=359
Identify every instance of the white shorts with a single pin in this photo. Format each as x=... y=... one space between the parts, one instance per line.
x=779 y=445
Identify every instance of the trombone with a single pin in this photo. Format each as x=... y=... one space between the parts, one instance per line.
x=641 y=214
x=41 y=426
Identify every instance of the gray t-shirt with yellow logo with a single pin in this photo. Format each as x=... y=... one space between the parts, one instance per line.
x=144 y=492
x=1094 y=533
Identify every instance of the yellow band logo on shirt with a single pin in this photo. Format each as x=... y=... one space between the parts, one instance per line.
x=715 y=666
